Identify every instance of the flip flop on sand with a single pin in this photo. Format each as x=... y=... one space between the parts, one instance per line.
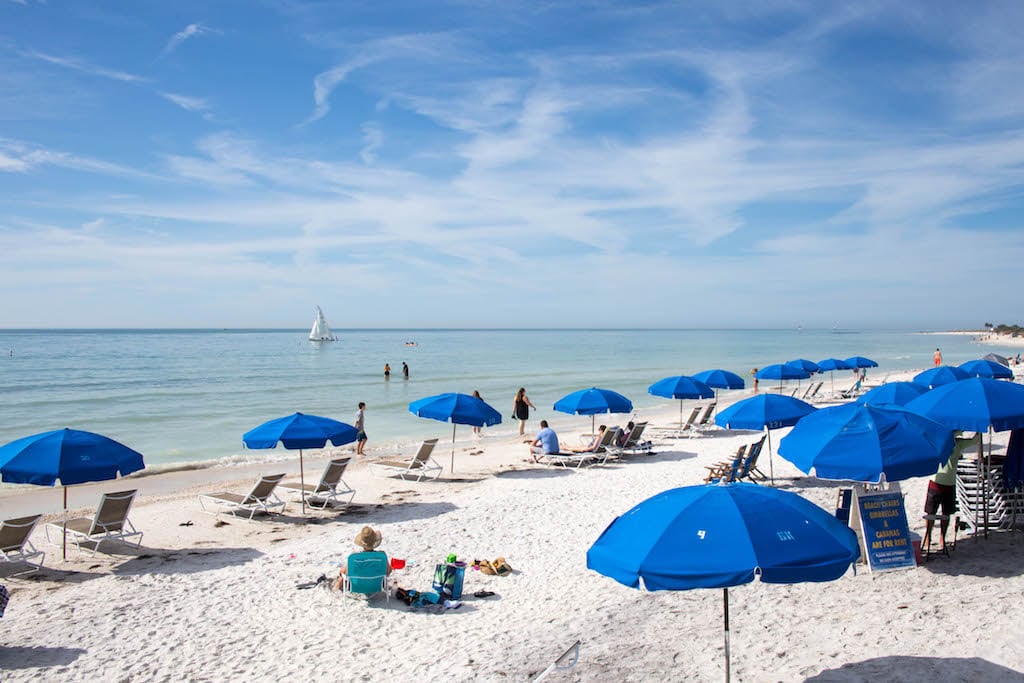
x=483 y=594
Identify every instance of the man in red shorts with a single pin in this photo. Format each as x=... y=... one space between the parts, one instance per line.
x=942 y=490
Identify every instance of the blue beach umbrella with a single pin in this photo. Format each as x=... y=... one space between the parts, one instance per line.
x=680 y=387
x=892 y=393
x=71 y=456
x=860 y=362
x=866 y=443
x=986 y=368
x=459 y=409
x=804 y=364
x=720 y=379
x=975 y=405
x=299 y=431
x=781 y=371
x=767 y=412
x=593 y=402
x=936 y=377
x=830 y=365
x=722 y=535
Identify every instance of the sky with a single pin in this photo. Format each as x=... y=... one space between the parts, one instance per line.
x=773 y=163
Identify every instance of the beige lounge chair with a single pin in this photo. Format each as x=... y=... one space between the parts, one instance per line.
x=14 y=543
x=328 y=490
x=110 y=523
x=261 y=498
x=420 y=466
x=633 y=443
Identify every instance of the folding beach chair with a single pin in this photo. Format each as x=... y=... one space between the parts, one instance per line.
x=366 y=574
x=704 y=423
x=748 y=468
x=726 y=470
x=110 y=523
x=420 y=466
x=328 y=490
x=14 y=543
x=261 y=498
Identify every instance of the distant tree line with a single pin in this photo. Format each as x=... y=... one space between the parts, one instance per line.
x=1012 y=330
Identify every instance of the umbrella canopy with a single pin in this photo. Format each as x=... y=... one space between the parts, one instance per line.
x=804 y=364
x=70 y=455
x=720 y=379
x=298 y=431
x=782 y=371
x=974 y=405
x=892 y=393
x=459 y=409
x=680 y=386
x=764 y=411
x=866 y=442
x=593 y=401
x=936 y=377
x=860 y=362
x=986 y=368
x=996 y=358
x=830 y=364
x=716 y=536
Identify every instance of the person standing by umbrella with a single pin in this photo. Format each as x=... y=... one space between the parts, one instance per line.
x=942 y=490
x=476 y=429
x=521 y=409
x=938 y=357
x=360 y=425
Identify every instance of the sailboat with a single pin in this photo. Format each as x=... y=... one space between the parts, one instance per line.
x=321 y=331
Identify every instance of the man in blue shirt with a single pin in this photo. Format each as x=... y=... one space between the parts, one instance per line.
x=546 y=441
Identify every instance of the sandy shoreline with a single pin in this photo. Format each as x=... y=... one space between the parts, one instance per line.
x=207 y=602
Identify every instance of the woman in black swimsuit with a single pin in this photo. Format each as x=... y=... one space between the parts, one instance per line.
x=521 y=409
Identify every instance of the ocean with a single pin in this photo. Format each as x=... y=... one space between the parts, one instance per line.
x=187 y=396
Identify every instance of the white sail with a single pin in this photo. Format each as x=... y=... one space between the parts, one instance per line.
x=321 y=330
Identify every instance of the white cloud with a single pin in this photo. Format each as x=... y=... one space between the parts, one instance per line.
x=196 y=104
x=85 y=67
x=190 y=31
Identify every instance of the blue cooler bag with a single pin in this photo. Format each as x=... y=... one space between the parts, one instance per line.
x=448 y=580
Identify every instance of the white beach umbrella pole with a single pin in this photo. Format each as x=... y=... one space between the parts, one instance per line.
x=302 y=481
x=725 y=612
x=771 y=465
x=64 y=541
x=453 y=447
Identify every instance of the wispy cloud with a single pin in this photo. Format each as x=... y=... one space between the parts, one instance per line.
x=84 y=67
x=190 y=31
x=187 y=103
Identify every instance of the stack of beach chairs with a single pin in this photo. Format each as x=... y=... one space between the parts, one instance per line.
x=974 y=484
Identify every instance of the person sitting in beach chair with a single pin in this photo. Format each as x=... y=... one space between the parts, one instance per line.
x=545 y=443
x=352 y=578
x=595 y=443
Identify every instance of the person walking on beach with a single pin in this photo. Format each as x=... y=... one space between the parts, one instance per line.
x=360 y=425
x=476 y=394
x=521 y=409
x=405 y=370
x=753 y=373
x=387 y=371
x=938 y=358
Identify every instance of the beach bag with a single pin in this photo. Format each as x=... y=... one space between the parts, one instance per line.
x=444 y=580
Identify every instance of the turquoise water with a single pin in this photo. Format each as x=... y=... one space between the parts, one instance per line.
x=183 y=396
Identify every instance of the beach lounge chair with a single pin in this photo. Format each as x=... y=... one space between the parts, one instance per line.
x=852 y=392
x=604 y=448
x=261 y=498
x=421 y=465
x=726 y=470
x=812 y=391
x=110 y=523
x=704 y=422
x=633 y=443
x=748 y=468
x=328 y=490
x=14 y=543
x=366 y=574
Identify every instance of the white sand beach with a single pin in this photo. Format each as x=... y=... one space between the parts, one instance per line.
x=216 y=603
